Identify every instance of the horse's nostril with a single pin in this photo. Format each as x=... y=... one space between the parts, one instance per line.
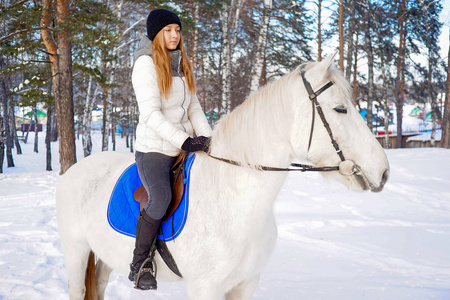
x=384 y=178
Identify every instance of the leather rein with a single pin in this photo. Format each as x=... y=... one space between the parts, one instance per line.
x=302 y=167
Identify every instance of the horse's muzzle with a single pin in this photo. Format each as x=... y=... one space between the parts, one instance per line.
x=349 y=168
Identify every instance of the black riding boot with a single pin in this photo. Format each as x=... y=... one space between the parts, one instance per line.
x=141 y=269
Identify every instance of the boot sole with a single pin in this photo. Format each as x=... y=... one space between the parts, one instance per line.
x=142 y=287
x=146 y=288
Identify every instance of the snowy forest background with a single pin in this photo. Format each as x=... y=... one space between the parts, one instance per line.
x=71 y=59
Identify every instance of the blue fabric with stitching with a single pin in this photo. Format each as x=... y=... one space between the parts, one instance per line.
x=123 y=210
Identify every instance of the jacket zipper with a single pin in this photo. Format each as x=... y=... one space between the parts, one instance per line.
x=184 y=93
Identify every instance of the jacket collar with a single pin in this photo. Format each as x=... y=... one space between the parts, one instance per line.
x=145 y=48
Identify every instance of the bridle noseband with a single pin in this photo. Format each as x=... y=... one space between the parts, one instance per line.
x=345 y=164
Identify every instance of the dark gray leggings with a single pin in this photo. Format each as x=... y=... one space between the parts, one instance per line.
x=153 y=168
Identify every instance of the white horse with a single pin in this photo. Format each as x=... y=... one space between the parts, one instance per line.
x=230 y=230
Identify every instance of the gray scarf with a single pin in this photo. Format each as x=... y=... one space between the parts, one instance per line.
x=145 y=48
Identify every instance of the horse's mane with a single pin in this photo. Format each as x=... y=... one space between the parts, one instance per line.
x=242 y=134
x=259 y=125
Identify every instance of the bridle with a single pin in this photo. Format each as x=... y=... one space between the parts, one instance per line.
x=345 y=164
x=315 y=105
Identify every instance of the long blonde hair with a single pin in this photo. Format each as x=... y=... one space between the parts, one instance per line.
x=163 y=64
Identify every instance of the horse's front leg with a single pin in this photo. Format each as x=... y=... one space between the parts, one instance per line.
x=243 y=290
x=76 y=258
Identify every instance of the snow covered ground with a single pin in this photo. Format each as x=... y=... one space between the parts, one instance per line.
x=332 y=244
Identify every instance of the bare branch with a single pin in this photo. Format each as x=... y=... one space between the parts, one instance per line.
x=16 y=4
x=7 y=37
x=127 y=43
x=46 y=52
x=133 y=26
x=40 y=61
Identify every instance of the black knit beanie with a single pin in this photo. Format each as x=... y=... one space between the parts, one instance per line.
x=158 y=19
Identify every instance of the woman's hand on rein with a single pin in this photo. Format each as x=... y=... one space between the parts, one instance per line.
x=199 y=143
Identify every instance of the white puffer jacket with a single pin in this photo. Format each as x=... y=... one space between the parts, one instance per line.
x=164 y=124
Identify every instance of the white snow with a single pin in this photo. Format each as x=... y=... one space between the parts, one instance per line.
x=332 y=244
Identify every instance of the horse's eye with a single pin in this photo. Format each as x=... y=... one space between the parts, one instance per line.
x=341 y=110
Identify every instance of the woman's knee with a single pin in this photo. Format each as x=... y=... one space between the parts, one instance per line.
x=159 y=201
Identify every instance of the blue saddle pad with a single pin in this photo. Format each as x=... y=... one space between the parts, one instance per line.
x=123 y=210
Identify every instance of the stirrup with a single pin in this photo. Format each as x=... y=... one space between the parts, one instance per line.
x=153 y=268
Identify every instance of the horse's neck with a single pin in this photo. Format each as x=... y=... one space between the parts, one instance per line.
x=257 y=132
x=240 y=190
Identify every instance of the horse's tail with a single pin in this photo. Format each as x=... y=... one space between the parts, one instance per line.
x=90 y=282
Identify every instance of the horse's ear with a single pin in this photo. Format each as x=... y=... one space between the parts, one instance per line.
x=326 y=63
x=322 y=67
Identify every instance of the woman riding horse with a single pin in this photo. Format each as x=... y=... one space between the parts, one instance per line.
x=169 y=115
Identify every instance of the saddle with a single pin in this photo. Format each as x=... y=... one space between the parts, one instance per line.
x=177 y=184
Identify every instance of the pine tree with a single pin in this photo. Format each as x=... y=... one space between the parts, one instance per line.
x=425 y=20
x=384 y=49
x=24 y=71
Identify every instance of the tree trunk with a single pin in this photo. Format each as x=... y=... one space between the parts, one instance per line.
x=384 y=102
x=106 y=123
x=351 y=29
x=108 y=112
x=445 y=140
x=341 y=34
x=87 y=116
x=225 y=62
x=64 y=101
x=25 y=140
x=54 y=126
x=229 y=23
x=60 y=56
x=127 y=127
x=48 y=138
x=400 y=75
x=132 y=127
x=319 y=30
x=109 y=102
x=104 y=119
x=355 y=74
x=14 y=131
x=36 y=130
x=2 y=152
x=369 y=51
x=261 y=49
x=7 y=133
x=195 y=39
x=2 y=144
x=113 y=129
x=109 y=106
x=431 y=98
